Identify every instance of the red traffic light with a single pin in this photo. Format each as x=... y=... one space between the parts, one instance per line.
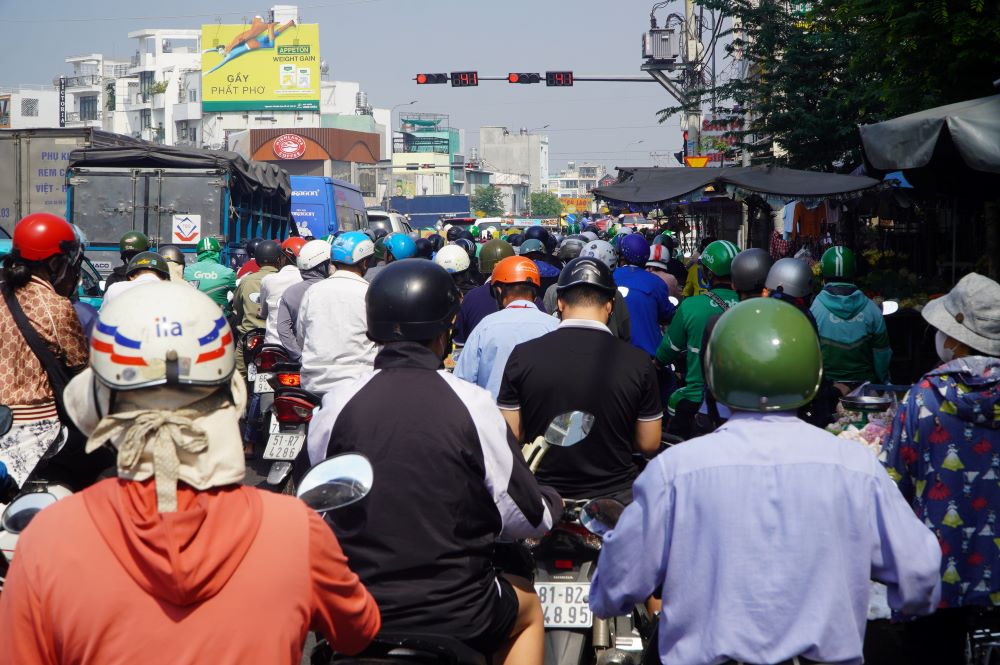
x=523 y=77
x=559 y=79
x=425 y=79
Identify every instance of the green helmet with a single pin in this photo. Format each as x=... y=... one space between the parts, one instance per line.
x=492 y=252
x=134 y=242
x=380 y=249
x=148 y=261
x=763 y=355
x=474 y=230
x=209 y=244
x=838 y=262
x=718 y=257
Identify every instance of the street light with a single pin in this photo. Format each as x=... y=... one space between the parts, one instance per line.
x=538 y=128
x=400 y=106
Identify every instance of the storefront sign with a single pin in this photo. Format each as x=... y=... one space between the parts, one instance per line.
x=289 y=146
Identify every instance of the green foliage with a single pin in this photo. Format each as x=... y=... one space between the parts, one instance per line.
x=488 y=200
x=816 y=71
x=545 y=205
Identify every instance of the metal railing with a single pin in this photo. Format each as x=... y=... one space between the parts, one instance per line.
x=83 y=81
x=416 y=143
x=76 y=116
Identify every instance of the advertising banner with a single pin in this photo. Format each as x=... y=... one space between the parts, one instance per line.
x=260 y=67
x=572 y=204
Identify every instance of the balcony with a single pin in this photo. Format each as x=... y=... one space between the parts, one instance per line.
x=417 y=143
x=73 y=119
x=83 y=81
x=187 y=111
x=136 y=102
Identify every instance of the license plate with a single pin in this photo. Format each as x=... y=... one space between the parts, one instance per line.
x=565 y=605
x=251 y=372
x=260 y=384
x=284 y=445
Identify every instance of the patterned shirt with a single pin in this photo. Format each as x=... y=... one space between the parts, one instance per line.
x=23 y=380
x=944 y=452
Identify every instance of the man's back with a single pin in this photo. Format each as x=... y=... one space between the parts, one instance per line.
x=214 y=280
x=648 y=303
x=332 y=332
x=271 y=290
x=852 y=335
x=246 y=300
x=582 y=366
x=779 y=526
x=92 y=586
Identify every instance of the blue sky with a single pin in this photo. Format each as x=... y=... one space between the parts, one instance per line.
x=384 y=43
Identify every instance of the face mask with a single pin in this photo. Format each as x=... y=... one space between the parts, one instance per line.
x=944 y=353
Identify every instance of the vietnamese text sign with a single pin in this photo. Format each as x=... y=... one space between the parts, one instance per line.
x=260 y=67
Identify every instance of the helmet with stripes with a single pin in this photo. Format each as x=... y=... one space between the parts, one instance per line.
x=718 y=257
x=838 y=263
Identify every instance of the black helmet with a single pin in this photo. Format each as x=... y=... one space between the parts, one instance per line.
x=468 y=245
x=515 y=239
x=252 y=246
x=268 y=253
x=148 y=261
x=454 y=233
x=411 y=301
x=171 y=254
x=749 y=271
x=570 y=248
x=536 y=233
x=467 y=234
x=586 y=271
x=425 y=248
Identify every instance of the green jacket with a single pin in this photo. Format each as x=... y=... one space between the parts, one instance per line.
x=685 y=335
x=246 y=300
x=852 y=335
x=213 y=279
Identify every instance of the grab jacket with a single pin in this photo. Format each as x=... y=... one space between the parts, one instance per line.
x=852 y=335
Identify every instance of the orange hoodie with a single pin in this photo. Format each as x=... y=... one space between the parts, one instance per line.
x=235 y=576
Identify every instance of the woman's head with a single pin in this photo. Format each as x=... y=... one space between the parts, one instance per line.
x=967 y=318
x=47 y=247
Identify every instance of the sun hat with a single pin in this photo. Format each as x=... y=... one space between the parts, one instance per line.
x=969 y=313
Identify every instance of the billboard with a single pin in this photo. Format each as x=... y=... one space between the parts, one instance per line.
x=576 y=204
x=260 y=67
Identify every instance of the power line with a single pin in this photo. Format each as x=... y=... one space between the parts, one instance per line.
x=90 y=19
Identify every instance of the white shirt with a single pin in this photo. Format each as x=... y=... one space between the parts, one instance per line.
x=119 y=288
x=332 y=331
x=271 y=289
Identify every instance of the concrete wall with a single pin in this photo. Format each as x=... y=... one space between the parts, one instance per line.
x=513 y=152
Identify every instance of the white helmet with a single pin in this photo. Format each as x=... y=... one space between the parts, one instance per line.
x=625 y=230
x=452 y=258
x=602 y=251
x=312 y=254
x=162 y=333
x=590 y=235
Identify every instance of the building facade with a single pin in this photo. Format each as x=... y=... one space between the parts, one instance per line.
x=576 y=181
x=29 y=106
x=524 y=152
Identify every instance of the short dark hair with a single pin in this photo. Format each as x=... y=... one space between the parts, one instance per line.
x=584 y=295
x=522 y=291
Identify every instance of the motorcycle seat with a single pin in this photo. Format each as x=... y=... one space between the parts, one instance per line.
x=420 y=648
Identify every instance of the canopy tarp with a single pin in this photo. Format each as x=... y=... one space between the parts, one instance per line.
x=251 y=177
x=952 y=148
x=652 y=185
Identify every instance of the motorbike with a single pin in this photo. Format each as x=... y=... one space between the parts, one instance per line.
x=338 y=482
x=565 y=559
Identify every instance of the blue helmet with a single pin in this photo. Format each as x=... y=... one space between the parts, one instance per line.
x=634 y=250
x=536 y=233
x=352 y=247
x=400 y=245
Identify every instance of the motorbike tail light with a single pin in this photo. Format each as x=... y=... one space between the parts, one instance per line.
x=586 y=537
x=267 y=359
x=254 y=341
x=563 y=564
x=292 y=410
x=289 y=379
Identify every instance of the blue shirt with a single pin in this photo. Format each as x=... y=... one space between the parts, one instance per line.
x=477 y=305
x=649 y=306
x=485 y=354
x=772 y=528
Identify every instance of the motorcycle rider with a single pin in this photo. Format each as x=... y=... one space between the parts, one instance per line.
x=534 y=249
x=620 y=322
x=144 y=267
x=395 y=247
x=209 y=275
x=247 y=300
x=130 y=244
x=515 y=282
x=273 y=287
x=779 y=525
x=683 y=338
x=313 y=263
x=175 y=546
x=331 y=326
x=479 y=302
x=851 y=328
x=646 y=296
x=251 y=264
x=455 y=260
x=174 y=257
x=697 y=281
x=40 y=273
x=441 y=444
x=555 y=373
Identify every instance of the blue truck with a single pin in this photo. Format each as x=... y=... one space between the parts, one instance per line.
x=322 y=205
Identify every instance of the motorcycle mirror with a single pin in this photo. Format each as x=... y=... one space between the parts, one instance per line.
x=600 y=516
x=674 y=301
x=6 y=419
x=56 y=446
x=569 y=428
x=889 y=307
x=336 y=482
x=103 y=284
x=23 y=509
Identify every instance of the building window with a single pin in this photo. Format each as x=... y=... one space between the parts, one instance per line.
x=4 y=111
x=29 y=107
x=145 y=119
x=192 y=95
x=88 y=108
x=146 y=81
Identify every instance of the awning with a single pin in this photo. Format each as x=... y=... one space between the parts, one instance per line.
x=952 y=148
x=651 y=185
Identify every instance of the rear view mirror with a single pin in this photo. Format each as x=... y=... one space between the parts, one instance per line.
x=889 y=307
x=601 y=516
x=103 y=284
x=568 y=429
x=6 y=419
x=336 y=482
x=23 y=509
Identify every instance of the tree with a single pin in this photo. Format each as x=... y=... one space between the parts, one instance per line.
x=545 y=205
x=488 y=200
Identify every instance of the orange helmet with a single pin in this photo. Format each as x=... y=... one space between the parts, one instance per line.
x=516 y=270
x=292 y=245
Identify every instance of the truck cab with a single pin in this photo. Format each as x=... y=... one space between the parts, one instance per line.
x=322 y=205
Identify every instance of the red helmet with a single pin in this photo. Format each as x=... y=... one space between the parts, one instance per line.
x=42 y=235
x=293 y=245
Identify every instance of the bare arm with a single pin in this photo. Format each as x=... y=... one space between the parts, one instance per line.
x=647 y=436
x=513 y=418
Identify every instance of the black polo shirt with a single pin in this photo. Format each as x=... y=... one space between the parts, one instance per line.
x=582 y=366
